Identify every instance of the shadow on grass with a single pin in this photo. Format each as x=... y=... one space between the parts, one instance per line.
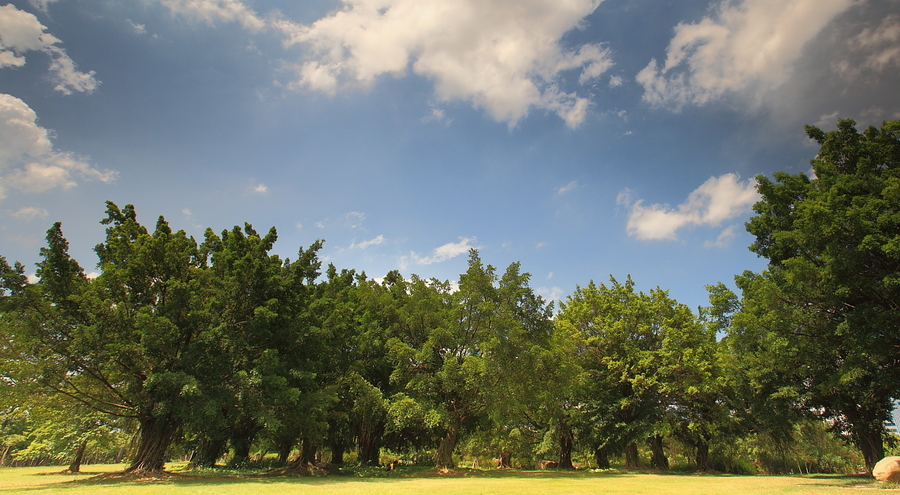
x=377 y=476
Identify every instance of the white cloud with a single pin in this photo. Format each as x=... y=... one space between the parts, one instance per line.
x=354 y=220
x=751 y=46
x=27 y=159
x=211 y=11
x=566 y=188
x=21 y=32
x=724 y=238
x=446 y=252
x=715 y=201
x=29 y=213
x=137 y=28
x=503 y=56
x=259 y=189
x=41 y=5
x=615 y=81
x=550 y=293
x=436 y=115
x=371 y=242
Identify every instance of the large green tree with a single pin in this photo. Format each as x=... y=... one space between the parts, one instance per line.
x=833 y=245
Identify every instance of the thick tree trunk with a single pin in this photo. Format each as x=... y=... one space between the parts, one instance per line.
x=337 y=452
x=658 y=459
x=208 y=452
x=368 y=438
x=870 y=442
x=77 y=459
x=308 y=450
x=241 y=445
x=444 y=454
x=601 y=458
x=155 y=437
x=566 y=442
x=505 y=461
x=702 y=458
x=631 y=457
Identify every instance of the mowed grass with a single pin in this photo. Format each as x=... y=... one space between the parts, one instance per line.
x=45 y=480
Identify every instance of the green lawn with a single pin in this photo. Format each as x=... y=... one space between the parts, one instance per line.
x=42 y=480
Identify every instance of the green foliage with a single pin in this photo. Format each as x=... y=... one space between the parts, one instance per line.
x=827 y=306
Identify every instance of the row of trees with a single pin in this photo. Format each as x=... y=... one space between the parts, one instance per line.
x=219 y=345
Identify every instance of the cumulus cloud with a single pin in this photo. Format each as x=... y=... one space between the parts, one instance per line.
x=28 y=161
x=259 y=189
x=715 y=201
x=503 y=56
x=21 y=32
x=748 y=46
x=446 y=252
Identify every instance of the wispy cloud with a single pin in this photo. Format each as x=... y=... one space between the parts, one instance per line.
x=724 y=239
x=371 y=242
x=566 y=188
x=29 y=213
x=446 y=252
x=259 y=189
x=354 y=220
x=715 y=201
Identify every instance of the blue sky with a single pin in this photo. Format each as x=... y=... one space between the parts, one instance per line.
x=582 y=138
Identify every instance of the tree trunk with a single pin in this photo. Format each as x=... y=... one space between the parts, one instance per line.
x=870 y=442
x=658 y=459
x=75 y=465
x=308 y=450
x=120 y=454
x=566 y=442
x=155 y=437
x=368 y=438
x=631 y=457
x=208 y=452
x=444 y=454
x=702 y=458
x=241 y=445
x=4 y=454
x=285 y=447
x=601 y=458
x=505 y=461
x=337 y=452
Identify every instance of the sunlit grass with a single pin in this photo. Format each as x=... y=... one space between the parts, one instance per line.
x=41 y=480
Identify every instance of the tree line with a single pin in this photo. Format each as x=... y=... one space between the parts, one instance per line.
x=216 y=346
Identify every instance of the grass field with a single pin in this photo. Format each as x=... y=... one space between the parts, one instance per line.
x=43 y=480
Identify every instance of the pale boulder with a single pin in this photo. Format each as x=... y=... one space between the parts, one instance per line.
x=887 y=469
